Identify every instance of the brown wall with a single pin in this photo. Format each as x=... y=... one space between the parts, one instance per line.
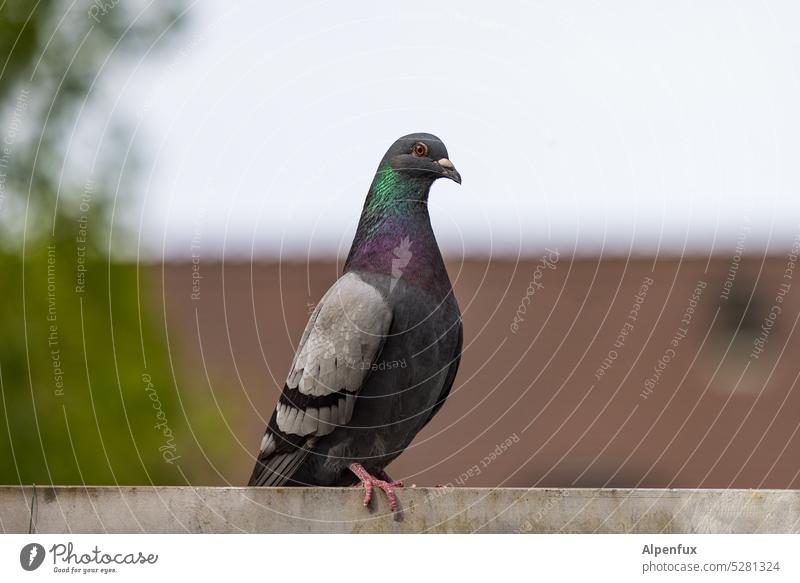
x=717 y=416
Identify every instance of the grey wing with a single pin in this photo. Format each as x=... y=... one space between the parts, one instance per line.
x=342 y=339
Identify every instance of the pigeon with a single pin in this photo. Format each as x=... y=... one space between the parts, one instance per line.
x=381 y=350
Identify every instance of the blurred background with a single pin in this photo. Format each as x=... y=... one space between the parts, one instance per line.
x=180 y=183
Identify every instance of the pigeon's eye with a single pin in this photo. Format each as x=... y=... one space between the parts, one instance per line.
x=419 y=149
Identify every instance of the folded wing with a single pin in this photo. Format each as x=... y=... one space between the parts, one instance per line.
x=342 y=340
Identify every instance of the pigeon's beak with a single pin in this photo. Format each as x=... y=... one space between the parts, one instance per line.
x=448 y=170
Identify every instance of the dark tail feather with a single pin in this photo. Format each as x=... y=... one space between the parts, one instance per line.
x=278 y=468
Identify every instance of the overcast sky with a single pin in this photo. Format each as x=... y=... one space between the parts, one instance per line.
x=621 y=127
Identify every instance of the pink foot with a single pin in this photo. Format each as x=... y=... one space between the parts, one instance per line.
x=369 y=482
x=381 y=475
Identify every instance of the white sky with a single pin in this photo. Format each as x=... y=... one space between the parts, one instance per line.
x=588 y=125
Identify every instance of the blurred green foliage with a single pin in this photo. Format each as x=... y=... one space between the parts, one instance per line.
x=88 y=393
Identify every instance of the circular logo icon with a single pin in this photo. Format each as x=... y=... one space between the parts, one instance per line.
x=31 y=556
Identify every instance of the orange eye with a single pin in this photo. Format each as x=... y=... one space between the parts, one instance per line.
x=419 y=149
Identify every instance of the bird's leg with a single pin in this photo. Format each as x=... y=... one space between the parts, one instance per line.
x=381 y=475
x=370 y=481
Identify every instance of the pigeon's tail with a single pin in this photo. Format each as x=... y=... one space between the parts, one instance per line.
x=278 y=468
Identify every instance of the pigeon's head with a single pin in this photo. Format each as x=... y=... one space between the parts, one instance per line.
x=420 y=157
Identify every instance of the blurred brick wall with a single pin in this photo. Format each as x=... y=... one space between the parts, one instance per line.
x=614 y=375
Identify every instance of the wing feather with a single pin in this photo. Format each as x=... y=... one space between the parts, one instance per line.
x=342 y=339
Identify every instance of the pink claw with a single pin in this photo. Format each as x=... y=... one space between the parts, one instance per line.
x=370 y=481
x=381 y=475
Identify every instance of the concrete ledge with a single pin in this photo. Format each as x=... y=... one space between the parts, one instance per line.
x=66 y=509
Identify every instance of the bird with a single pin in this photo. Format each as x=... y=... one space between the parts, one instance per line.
x=382 y=347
